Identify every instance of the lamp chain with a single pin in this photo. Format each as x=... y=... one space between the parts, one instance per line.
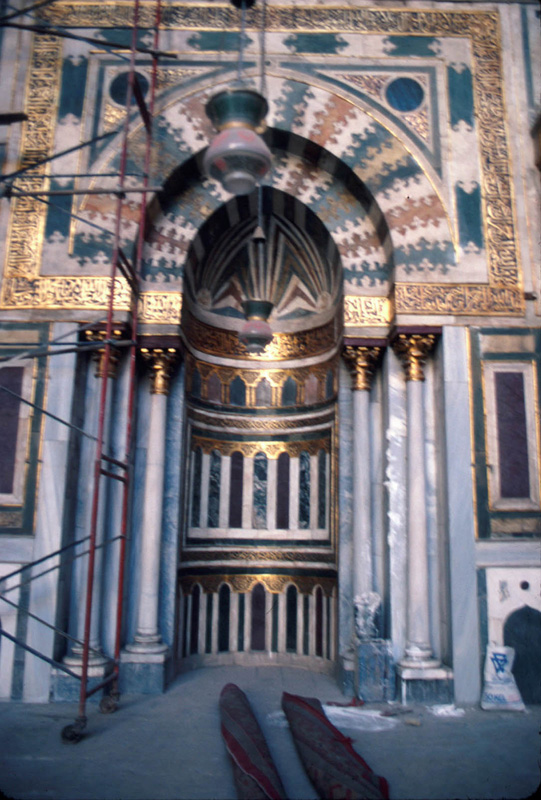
x=241 y=44
x=262 y=49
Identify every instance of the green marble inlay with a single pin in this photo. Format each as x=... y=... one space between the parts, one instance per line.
x=237 y=392
x=72 y=89
x=196 y=489
x=460 y=86
x=218 y=41
x=59 y=215
x=274 y=646
x=224 y=602
x=304 y=490
x=322 y=489
x=469 y=213
x=289 y=392
x=208 y=630
x=291 y=620
x=329 y=43
x=240 y=629
x=411 y=46
x=260 y=491
x=214 y=489
x=306 y=624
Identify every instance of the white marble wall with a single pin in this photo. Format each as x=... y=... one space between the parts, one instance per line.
x=460 y=517
x=395 y=483
x=55 y=473
x=8 y=621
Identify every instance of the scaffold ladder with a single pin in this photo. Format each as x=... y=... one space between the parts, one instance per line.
x=105 y=467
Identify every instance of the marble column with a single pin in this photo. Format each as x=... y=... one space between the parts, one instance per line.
x=413 y=350
x=362 y=361
x=147 y=638
x=97 y=659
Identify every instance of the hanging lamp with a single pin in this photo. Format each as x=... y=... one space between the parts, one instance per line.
x=237 y=157
x=256 y=333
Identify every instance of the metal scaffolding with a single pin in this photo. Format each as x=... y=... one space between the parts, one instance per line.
x=105 y=467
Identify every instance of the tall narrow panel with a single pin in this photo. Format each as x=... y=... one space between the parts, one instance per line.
x=235 y=495
x=260 y=491
x=282 y=492
x=304 y=490
x=512 y=435
x=214 y=489
x=11 y=378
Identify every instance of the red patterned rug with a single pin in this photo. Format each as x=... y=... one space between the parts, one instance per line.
x=335 y=769
x=255 y=775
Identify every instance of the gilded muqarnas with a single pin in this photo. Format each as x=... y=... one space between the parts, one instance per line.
x=259 y=425
x=282 y=347
x=275 y=584
x=251 y=449
x=258 y=553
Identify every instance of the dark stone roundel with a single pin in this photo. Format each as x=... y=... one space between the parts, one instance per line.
x=119 y=87
x=404 y=94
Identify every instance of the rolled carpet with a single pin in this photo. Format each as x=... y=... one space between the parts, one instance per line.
x=336 y=770
x=254 y=772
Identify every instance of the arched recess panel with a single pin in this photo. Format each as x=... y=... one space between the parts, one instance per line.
x=347 y=159
x=303 y=273
x=269 y=427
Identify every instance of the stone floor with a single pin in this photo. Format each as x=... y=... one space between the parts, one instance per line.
x=168 y=747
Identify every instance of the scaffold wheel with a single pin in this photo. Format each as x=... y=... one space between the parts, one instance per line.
x=74 y=733
x=108 y=704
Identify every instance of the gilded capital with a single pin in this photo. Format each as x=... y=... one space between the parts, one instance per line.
x=161 y=362
x=413 y=349
x=362 y=361
x=98 y=356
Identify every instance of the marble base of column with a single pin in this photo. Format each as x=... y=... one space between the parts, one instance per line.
x=146 y=644
x=419 y=657
x=66 y=688
x=75 y=660
x=145 y=668
x=430 y=684
x=346 y=672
